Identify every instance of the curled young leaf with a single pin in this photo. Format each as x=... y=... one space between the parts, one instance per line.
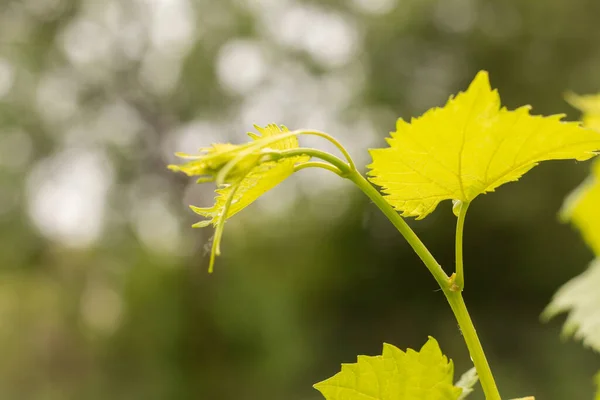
x=395 y=375
x=469 y=147
x=210 y=160
x=257 y=180
x=244 y=174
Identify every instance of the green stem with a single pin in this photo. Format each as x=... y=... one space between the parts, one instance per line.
x=333 y=140
x=454 y=297
x=467 y=328
x=344 y=168
x=410 y=236
x=264 y=142
x=448 y=285
x=318 y=164
x=459 y=278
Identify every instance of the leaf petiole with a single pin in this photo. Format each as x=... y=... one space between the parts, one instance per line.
x=342 y=167
x=459 y=277
x=334 y=141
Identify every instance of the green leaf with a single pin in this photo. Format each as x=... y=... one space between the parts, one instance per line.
x=469 y=147
x=590 y=106
x=247 y=176
x=211 y=160
x=259 y=180
x=466 y=383
x=395 y=375
x=582 y=209
x=597 y=381
x=580 y=297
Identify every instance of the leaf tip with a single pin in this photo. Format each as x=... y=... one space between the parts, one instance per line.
x=482 y=79
x=431 y=343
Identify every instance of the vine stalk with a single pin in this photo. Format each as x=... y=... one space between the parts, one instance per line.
x=451 y=286
x=459 y=308
x=447 y=284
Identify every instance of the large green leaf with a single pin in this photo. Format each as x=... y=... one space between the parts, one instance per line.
x=395 y=375
x=470 y=146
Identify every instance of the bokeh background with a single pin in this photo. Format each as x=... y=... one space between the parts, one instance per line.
x=104 y=292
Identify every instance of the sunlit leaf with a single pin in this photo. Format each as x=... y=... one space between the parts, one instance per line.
x=582 y=208
x=211 y=160
x=246 y=181
x=469 y=147
x=580 y=298
x=590 y=106
x=597 y=381
x=395 y=375
x=259 y=180
x=466 y=383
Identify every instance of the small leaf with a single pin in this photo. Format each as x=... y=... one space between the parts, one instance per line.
x=580 y=297
x=597 y=381
x=590 y=106
x=470 y=147
x=245 y=176
x=395 y=375
x=259 y=180
x=466 y=382
x=582 y=209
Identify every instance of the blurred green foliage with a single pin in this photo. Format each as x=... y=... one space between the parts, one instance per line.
x=103 y=285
